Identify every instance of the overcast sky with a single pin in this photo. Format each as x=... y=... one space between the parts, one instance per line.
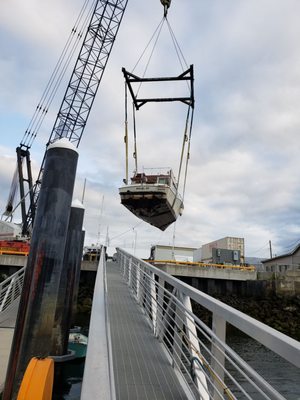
x=243 y=175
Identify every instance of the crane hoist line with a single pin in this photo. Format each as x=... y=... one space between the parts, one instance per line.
x=153 y=194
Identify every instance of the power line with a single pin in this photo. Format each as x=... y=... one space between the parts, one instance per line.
x=129 y=230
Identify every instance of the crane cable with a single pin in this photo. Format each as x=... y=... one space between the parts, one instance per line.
x=49 y=93
x=158 y=32
x=188 y=153
x=189 y=118
x=126 y=136
x=57 y=75
x=186 y=139
x=155 y=35
x=134 y=134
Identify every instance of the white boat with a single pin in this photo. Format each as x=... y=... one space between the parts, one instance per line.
x=78 y=343
x=153 y=198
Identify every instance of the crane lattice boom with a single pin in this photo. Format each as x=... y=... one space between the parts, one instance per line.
x=84 y=82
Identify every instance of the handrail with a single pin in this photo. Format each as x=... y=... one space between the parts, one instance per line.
x=98 y=370
x=281 y=344
x=10 y=289
x=166 y=302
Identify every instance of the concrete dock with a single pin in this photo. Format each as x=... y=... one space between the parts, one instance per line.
x=7 y=327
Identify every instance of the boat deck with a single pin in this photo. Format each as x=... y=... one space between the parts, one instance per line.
x=142 y=369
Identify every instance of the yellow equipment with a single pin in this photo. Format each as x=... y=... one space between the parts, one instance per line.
x=37 y=383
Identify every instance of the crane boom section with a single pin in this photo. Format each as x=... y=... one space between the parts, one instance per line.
x=84 y=82
x=88 y=71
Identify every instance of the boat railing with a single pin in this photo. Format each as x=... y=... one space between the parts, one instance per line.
x=210 y=368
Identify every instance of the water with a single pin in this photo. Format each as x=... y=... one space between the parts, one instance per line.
x=68 y=376
x=279 y=373
x=68 y=380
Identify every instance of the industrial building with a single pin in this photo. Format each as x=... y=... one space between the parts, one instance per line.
x=228 y=250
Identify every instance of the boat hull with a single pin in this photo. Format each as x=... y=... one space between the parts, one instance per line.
x=157 y=205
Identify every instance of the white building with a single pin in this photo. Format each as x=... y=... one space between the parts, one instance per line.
x=161 y=252
x=9 y=230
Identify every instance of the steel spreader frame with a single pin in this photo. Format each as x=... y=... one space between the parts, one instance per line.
x=187 y=75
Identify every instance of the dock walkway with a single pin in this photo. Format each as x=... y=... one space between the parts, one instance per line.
x=141 y=367
x=7 y=327
x=6 y=335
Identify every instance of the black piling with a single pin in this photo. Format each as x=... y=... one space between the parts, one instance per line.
x=77 y=280
x=69 y=280
x=36 y=331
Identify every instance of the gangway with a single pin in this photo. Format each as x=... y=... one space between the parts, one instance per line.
x=204 y=366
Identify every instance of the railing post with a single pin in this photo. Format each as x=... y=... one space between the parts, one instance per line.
x=138 y=276
x=178 y=331
x=166 y=318
x=145 y=300
x=124 y=260
x=160 y=308
x=129 y=271
x=142 y=291
x=153 y=300
x=13 y=296
x=218 y=356
x=191 y=333
x=121 y=258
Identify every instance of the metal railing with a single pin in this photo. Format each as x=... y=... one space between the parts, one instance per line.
x=210 y=368
x=98 y=370
x=10 y=289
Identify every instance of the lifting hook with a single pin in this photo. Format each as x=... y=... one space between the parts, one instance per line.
x=166 y=4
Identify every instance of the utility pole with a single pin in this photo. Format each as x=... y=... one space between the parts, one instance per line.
x=83 y=192
x=270 y=246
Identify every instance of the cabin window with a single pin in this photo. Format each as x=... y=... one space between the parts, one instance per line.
x=163 y=181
